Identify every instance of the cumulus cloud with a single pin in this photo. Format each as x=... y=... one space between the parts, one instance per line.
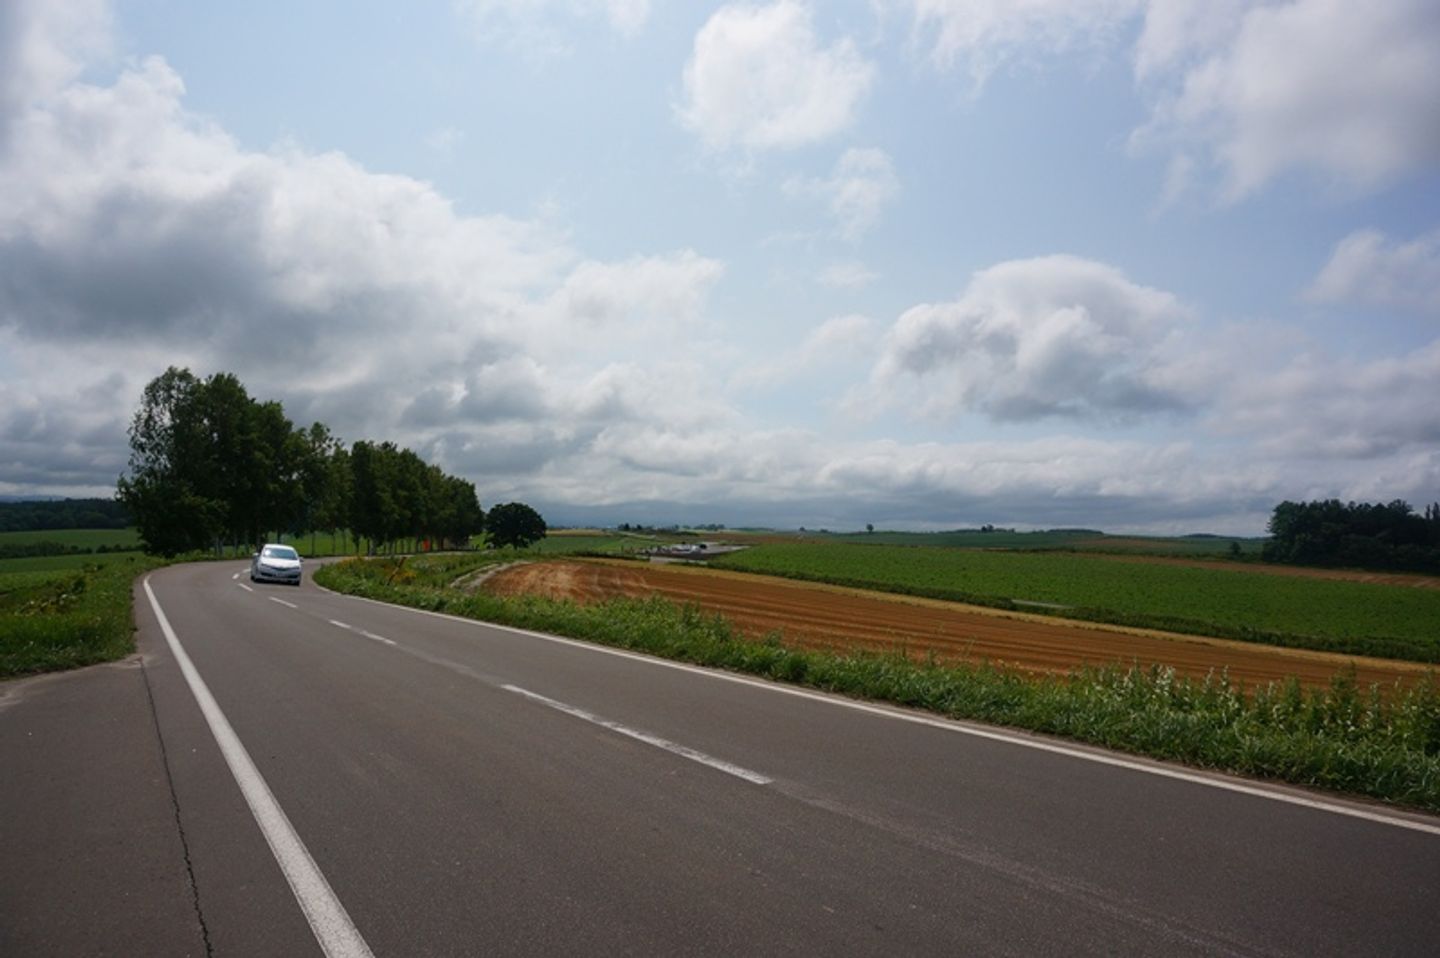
x=856 y=193
x=1240 y=92
x=1369 y=269
x=639 y=297
x=1315 y=86
x=760 y=79
x=1052 y=336
x=134 y=235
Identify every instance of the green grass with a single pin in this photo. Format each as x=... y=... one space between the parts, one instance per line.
x=64 y=618
x=76 y=538
x=1381 y=743
x=56 y=563
x=1349 y=617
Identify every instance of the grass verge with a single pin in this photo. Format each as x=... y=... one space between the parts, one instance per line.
x=1342 y=738
x=65 y=618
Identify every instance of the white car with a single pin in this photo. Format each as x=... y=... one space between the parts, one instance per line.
x=275 y=563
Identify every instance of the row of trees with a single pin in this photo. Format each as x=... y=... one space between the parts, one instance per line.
x=1357 y=534
x=210 y=465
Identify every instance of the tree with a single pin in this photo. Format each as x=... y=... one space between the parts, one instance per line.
x=515 y=524
x=168 y=490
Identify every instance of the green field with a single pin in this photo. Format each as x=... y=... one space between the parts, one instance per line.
x=1079 y=540
x=77 y=538
x=1352 y=617
x=64 y=617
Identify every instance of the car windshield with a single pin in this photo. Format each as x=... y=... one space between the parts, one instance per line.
x=279 y=552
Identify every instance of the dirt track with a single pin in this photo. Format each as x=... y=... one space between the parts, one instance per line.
x=821 y=616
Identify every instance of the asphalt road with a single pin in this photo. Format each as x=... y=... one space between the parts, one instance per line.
x=446 y=788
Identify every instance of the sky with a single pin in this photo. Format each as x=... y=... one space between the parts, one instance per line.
x=1147 y=266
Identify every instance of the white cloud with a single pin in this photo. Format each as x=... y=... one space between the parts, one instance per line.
x=1243 y=91
x=987 y=34
x=1316 y=86
x=847 y=275
x=851 y=337
x=759 y=79
x=1053 y=336
x=1314 y=407
x=640 y=297
x=857 y=192
x=1369 y=269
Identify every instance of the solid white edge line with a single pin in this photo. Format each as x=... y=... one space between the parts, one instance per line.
x=336 y=933
x=952 y=725
x=649 y=739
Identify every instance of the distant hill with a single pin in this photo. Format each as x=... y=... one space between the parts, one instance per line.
x=32 y=515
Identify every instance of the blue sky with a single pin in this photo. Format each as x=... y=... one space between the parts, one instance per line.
x=1143 y=266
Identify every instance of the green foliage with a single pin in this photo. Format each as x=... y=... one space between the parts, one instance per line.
x=65 y=618
x=1384 y=746
x=209 y=465
x=515 y=524
x=1350 y=617
x=1359 y=535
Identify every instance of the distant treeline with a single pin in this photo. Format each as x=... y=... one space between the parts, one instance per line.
x=63 y=514
x=1356 y=535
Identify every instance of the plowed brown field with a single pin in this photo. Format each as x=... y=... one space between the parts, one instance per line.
x=830 y=617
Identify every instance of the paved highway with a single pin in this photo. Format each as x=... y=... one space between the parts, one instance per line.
x=291 y=772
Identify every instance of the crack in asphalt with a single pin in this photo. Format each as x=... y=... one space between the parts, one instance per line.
x=179 y=824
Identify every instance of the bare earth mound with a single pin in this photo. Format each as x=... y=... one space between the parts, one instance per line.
x=830 y=617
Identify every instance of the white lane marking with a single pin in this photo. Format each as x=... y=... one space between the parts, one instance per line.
x=288 y=605
x=953 y=725
x=245 y=587
x=235 y=576
x=646 y=737
x=336 y=933
x=351 y=628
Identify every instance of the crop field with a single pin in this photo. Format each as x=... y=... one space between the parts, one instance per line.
x=1353 y=617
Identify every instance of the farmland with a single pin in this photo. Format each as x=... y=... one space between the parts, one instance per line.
x=1352 y=617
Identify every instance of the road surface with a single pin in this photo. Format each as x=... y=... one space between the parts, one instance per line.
x=339 y=776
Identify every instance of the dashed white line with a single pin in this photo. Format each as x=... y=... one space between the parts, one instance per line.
x=350 y=628
x=336 y=933
x=245 y=587
x=288 y=605
x=655 y=740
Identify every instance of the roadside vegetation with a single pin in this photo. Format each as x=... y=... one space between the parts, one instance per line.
x=1381 y=743
x=65 y=617
x=1349 y=617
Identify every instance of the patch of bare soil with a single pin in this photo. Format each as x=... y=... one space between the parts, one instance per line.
x=830 y=617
